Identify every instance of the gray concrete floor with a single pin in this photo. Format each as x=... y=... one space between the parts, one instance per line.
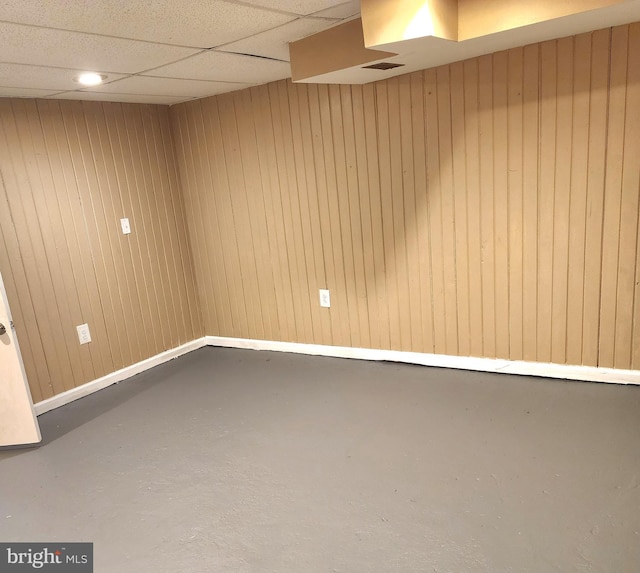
x=235 y=460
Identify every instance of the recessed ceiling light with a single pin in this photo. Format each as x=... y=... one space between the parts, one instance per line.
x=90 y=79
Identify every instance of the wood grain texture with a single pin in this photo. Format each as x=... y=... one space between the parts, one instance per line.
x=485 y=208
x=68 y=172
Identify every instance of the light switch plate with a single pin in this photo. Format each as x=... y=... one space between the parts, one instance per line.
x=126 y=227
x=325 y=298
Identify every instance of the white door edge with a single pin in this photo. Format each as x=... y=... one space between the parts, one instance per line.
x=4 y=300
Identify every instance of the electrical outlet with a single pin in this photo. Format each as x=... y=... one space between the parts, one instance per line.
x=325 y=298
x=126 y=227
x=83 y=333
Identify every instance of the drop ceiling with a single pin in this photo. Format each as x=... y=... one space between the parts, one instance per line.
x=153 y=51
x=170 y=51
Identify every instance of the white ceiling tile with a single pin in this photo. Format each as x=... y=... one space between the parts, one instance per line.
x=225 y=67
x=304 y=7
x=40 y=77
x=200 y=23
x=127 y=98
x=341 y=11
x=41 y=46
x=24 y=92
x=275 y=43
x=141 y=85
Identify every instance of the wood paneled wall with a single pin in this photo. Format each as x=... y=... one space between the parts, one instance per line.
x=69 y=171
x=485 y=208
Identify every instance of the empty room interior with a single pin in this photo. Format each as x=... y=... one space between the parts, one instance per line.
x=320 y=285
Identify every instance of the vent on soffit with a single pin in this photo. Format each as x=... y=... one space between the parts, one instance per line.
x=383 y=66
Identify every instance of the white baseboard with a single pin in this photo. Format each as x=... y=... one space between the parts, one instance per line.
x=115 y=377
x=563 y=371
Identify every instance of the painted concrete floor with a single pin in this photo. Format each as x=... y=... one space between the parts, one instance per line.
x=236 y=460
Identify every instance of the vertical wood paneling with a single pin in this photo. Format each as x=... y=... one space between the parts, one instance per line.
x=217 y=228
x=281 y=300
x=303 y=213
x=546 y=196
x=107 y=211
x=374 y=193
x=613 y=200
x=627 y=335
x=239 y=209
x=69 y=172
x=73 y=229
x=410 y=222
x=447 y=209
x=279 y=248
x=19 y=173
x=596 y=169
x=487 y=203
x=515 y=154
x=485 y=208
x=472 y=184
x=363 y=210
x=399 y=237
x=578 y=196
x=561 y=209
x=165 y=146
x=388 y=246
x=291 y=210
x=355 y=226
x=501 y=198
x=423 y=261
x=15 y=283
x=342 y=212
x=432 y=219
x=530 y=185
x=191 y=200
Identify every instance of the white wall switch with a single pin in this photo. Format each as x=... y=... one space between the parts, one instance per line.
x=126 y=228
x=83 y=333
x=325 y=299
